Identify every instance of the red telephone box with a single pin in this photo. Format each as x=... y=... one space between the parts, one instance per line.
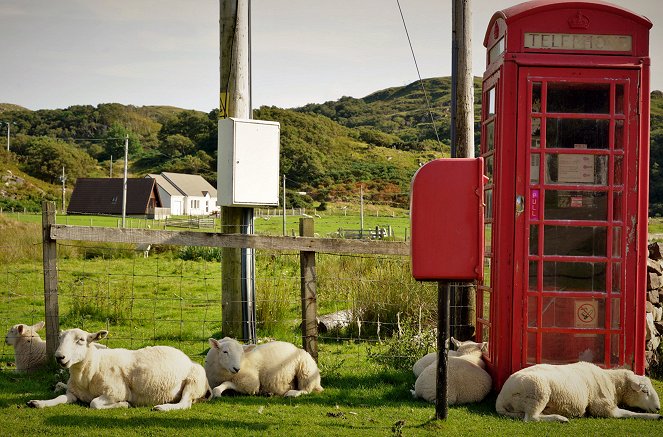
x=565 y=141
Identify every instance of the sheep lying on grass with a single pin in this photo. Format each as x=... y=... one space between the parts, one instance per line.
x=573 y=390
x=428 y=359
x=467 y=381
x=29 y=348
x=274 y=368
x=118 y=378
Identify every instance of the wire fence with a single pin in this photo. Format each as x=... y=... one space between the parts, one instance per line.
x=172 y=295
x=335 y=222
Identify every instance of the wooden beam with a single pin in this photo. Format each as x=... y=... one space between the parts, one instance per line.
x=211 y=239
x=50 y=259
x=308 y=292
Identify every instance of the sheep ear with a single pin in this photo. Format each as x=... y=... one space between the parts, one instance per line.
x=634 y=383
x=455 y=342
x=38 y=326
x=214 y=343
x=248 y=347
x=20 y=328
x=97 y=336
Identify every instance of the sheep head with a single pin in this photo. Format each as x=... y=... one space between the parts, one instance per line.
x=229 y=353
x=23 y=331
x=640 y=394
x=74 y=345
x=469 y=347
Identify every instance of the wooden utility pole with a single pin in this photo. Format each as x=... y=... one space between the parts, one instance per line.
x=63 y=178
x=237 y=265
x=463 y=295
x=361 y=211
x=462 y=81
x=124 y=180
x=284 y=222
x=462 y=146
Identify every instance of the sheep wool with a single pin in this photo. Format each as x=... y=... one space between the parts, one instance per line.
x=467 y=381
x=159 y=376
x=573 y=390
x=274 y=368
x=29 y=348
x=428 y=359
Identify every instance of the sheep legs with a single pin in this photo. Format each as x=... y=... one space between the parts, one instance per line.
x=103 y=402
x=67 y=398
x=544 y=418
x=227 y=385
x=620 y=413
x=184 y=404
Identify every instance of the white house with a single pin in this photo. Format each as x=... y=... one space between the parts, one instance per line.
x=186 y=194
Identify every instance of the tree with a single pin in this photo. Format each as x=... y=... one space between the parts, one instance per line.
x=114 y=143
x=44 y=158
x=177 y=145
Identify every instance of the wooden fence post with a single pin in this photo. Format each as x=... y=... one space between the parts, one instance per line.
x=50 y=258
x=309 y=293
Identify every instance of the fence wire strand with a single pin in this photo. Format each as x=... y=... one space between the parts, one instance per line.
x=173 y=296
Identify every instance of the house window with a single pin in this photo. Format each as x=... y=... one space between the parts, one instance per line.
x=195 y=204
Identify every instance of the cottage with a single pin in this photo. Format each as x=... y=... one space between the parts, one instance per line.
x=186 y=194
x=103 y=196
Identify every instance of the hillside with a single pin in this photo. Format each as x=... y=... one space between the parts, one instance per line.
x=327 y=150
x=398 y=116
x=20 y=191
x=4 y=107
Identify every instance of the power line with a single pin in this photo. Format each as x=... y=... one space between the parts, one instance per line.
x=430 y=111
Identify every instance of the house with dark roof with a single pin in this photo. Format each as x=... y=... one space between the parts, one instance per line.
x=186 y=194
x=103 y=196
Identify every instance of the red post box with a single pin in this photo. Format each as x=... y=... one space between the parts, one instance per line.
x=565 y=139
x=447 y=220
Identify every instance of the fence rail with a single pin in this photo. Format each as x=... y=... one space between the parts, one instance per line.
x=305 y=244
x=212 y=239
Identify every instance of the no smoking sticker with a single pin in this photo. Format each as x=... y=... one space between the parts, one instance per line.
x=586 y=313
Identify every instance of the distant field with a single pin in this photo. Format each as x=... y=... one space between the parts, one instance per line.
x=326 y=224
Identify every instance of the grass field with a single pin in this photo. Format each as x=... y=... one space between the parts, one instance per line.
x=326 y=225
x=360 y=398
x=168 y=300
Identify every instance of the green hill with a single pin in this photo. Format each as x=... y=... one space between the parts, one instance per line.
x=4 y=107
x=327 y=150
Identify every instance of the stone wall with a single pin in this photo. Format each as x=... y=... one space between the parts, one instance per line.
x=654 y=305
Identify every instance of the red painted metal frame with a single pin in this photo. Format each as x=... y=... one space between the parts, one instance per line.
x=507 y=283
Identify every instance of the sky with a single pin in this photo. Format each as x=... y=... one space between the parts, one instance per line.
x=58 y=53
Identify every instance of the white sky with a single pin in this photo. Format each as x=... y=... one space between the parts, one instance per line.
x=58 y=53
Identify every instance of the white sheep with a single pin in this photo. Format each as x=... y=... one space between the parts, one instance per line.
x=118 y=378
x=573 y=390
x=467 y=381
x=29 y=348
x=274 y=368
x=429 y=358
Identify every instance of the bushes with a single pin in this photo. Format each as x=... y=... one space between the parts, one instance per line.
x=197 y=253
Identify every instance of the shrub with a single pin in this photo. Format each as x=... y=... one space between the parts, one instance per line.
x=197 y=253
x=405 y=346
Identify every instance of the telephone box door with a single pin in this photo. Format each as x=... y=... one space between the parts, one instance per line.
x=578 y=178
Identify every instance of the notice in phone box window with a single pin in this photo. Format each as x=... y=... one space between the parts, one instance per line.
x=575 y=169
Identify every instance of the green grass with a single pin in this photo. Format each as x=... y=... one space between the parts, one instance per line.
x=360 y=398
x=167 y=300
x=327 y=225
